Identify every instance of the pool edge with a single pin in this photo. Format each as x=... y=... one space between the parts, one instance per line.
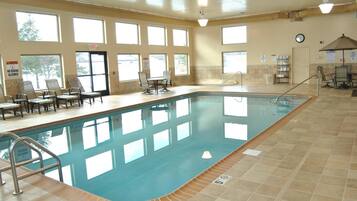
x=198 y=183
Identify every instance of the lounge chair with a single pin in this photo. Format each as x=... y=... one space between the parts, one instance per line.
x=28 y=93
x=55 y=91
x=341 y=76
x=7 y=105
x=76 y=87
x=144 y=84
x=327 y=79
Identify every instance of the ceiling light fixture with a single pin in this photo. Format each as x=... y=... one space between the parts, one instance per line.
x=326 y=7
x=203 y=3
x=202 y=20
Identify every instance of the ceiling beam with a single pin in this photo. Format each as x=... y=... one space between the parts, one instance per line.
x=292 y=15
x=99 y=11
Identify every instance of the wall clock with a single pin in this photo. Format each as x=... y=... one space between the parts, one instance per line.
x=300 y=38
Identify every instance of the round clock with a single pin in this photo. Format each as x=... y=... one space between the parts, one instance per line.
x=300 y=38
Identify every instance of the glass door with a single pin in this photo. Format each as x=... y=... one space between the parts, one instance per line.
x=92 y=71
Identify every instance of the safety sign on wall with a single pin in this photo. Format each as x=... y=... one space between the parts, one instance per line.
x=12 y=69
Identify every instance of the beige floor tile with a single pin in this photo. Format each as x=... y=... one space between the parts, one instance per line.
x=333 y=180
x=291 y=195
x=323 y=198
x=268 y=190
x=257 y=197
x=302 y=186
x=350 y=193
x=235 y=195
x=245 y=185
x=329 y=190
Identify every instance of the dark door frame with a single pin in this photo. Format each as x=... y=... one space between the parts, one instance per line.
x=104 y=53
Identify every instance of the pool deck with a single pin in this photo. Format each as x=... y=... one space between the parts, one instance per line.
x=310 y=156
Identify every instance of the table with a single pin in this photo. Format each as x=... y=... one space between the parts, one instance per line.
x=155 y=81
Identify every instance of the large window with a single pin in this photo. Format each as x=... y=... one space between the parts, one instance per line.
x=129 y=66
x=38 y=68
x=157 y=35
x=37 y=27
x=181 y=64
x=234 y=62
x=180 y=37
x=157 y=64
x=234 y=35
x=127 y=33
x=88 y=30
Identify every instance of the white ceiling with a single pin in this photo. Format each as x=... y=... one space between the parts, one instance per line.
x=216 y=9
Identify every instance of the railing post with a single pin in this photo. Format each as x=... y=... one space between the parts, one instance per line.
x=318 y=85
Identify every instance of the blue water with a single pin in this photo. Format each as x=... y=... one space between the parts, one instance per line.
x=148 y=151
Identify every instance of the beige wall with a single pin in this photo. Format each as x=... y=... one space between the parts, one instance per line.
x=269 y=38
x=11 y=49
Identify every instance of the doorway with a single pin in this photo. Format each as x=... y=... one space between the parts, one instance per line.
x=301 y=63
x=92 y=71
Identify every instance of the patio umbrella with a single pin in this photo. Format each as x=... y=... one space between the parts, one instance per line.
x=342 y=43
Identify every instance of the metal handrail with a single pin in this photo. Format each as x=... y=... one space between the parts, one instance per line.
x=41 y=170
x=35 y=146
x=299 y=84
x=241 y=77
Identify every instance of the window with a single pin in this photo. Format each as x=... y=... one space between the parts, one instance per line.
x=88 y=30
x=234 y=35
x=131 y=121
x=95 y=132
x=37 y=27
x=129 y=66
x=161 y=140
x=134 y=150
x=106 y=164
x=38 y=68
x=234 y=62
x=180 y=37
x=157 y=35
x=181 y=64
x=236 y=131
x=127 y=33
x=157 y=64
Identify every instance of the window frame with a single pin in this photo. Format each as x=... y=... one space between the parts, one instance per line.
x=222 y=57
x=58 y=20
x=61 y=64
x=188 y=65
x=166 y=61
x=104 y=33
x=187 y=37
x=222 y=36
x=165 y=35
x=138 y=33
x=140 y=66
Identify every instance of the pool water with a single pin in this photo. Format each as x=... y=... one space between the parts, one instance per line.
x=149 y=151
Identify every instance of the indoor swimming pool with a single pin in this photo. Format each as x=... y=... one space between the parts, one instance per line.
x=148 y=151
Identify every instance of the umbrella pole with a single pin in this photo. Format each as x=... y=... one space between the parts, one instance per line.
x=343 y=57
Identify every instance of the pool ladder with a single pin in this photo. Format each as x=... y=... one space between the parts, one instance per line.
x=35 y=146
x=299 y=84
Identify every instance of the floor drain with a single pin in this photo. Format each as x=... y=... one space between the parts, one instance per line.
x=221 y=180
x=252 y=152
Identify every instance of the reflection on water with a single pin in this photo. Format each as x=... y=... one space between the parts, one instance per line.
x=149 y=151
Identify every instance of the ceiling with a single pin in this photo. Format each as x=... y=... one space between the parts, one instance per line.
x=216 y=9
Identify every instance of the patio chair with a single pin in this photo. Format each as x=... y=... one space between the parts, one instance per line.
x=55 y=91
x=7 y=105
x=28 y=93
x=341 y=76
x=144 y=84
x=167 y=81
x=76 y=88
x=326 y=79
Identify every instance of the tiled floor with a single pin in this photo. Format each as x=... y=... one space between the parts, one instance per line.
x=312 y=157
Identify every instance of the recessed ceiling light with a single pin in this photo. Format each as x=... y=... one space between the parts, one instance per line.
x=202 y=3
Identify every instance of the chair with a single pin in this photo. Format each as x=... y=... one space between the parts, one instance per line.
x=167 y=81
x=6 y=105
x=28 y=93
x=144 y=84
x=55 y=91
x=76 y=87
x=341 y=76
x=329 y=79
